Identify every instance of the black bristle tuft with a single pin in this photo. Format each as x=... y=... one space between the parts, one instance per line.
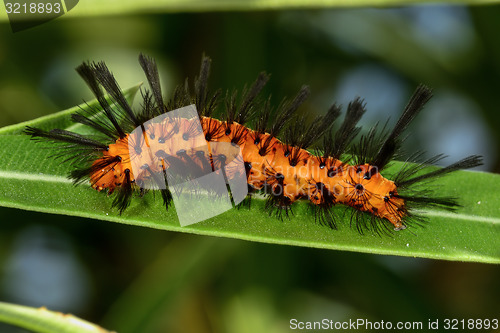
x=88 y=121
x=247 y=107
x=287 y=109
x=124 y=194
x=392 y=143
x=296 y=135
x=108 y=82
x=466 y=163
x=336 y=145
x=63 y=136
x=205 y=102
x=87 y=72
x=150 y=68
x=263 y=118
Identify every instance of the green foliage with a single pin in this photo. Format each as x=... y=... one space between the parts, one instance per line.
x=45 y=321
x=97 y=8
x=33 y=180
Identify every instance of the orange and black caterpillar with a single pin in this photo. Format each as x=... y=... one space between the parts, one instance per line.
x=284 y=170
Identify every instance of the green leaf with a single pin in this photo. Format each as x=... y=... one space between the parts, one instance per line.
x=45 y=321
x=32 y=180
x=100 y=7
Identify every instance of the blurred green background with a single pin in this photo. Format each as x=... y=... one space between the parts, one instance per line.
x=133 y=279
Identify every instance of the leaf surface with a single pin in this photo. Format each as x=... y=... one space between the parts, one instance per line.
x=33 y=180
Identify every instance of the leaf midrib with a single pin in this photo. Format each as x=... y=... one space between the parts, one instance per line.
x=64 y=180
x=459 y=216
x=34 y=176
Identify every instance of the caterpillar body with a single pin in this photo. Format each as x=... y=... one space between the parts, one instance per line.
x=283 y=169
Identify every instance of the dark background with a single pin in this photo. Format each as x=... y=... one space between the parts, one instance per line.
x=135 y=279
